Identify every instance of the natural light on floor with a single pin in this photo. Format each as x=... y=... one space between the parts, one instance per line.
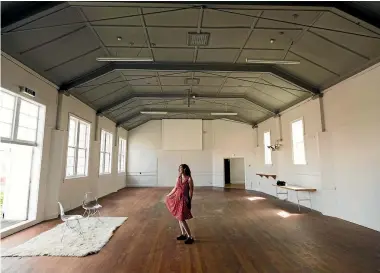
x=284 y=214
x=255 y=198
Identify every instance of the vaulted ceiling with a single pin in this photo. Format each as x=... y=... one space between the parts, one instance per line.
x=61 y=41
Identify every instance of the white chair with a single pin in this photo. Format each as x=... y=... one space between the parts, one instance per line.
x=67 y=219
x=91 y=205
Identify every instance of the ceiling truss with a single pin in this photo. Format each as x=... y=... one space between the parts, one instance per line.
x=118 y=92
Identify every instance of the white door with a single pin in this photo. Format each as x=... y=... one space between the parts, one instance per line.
x=16 y=196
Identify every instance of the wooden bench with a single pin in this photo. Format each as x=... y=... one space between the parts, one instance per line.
x=296 y=189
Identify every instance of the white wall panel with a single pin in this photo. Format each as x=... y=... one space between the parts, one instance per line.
x=182 y=134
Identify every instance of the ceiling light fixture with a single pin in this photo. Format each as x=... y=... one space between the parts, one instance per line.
x=224 y=114
x=272 y=41
x=119 y=38
x=121 y=59
x=153 y=113
x=255 y=61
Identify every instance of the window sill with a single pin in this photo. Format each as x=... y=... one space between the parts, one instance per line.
x=18 y=142
x=17 y=227
x=101 y=174
x=75 y=177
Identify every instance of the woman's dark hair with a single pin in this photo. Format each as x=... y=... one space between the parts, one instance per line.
x=186 y=169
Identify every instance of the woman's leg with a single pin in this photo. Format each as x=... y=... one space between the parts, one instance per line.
x=183 y=232
x=186 y=227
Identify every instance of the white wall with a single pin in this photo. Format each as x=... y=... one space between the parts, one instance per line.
x=149 y=165
x=53 y=185
x=13 y=75
x=237 y=172
x=352 y=120
x=342 y=162
x=71 y=191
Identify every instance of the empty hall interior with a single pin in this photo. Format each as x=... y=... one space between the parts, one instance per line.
x=274 y=106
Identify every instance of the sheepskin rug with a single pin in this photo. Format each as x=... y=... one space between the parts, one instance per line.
x=95 y=235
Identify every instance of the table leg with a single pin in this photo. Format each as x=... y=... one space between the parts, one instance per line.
x=311 y=206
x=298 y=200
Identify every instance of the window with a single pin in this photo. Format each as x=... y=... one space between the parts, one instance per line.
x=267 y=151
x=122 y=155
x=18 y=119
x=105 y=153
x=78 y=148
x=299 y=157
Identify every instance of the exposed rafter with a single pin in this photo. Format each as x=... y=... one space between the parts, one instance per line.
x=137 y=113
x=178 y=66
x=178 y=96
x=143 y=121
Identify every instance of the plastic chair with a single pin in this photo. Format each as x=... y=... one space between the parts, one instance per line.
x=67 y=219
x=91 y=205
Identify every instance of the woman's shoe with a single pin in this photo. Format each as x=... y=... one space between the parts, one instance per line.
x=189 y=240
x=181 y=237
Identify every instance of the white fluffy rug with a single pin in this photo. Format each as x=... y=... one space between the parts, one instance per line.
x=95 y=235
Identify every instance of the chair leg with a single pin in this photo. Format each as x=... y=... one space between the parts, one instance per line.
x=63 y=232
x=80 y=228
x=64 y=229
x=98 y=211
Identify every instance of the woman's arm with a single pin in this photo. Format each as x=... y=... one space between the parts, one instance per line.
x=191 y=186
x=173 y=190
x=170 y=193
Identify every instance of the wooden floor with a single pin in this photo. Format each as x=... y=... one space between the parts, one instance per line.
x=234 y=186
x=233 y=234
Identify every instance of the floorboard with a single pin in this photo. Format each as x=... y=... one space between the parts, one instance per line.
x=233 y=234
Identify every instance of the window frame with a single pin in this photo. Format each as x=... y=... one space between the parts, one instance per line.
x=122 y=153
x=77 y=148
x=102 y=168
x=270 y=162
x=16 y=118
x=303 y=138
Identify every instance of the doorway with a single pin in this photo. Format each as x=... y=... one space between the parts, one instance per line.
x=15 y=182
x=227 y=172
x=234 y=173
x=22 y=124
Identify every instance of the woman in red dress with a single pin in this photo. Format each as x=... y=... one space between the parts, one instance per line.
x=178 y=202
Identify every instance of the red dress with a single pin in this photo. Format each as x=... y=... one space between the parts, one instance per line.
x=178 y=202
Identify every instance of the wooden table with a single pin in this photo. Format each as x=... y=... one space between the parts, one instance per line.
x=296 y=189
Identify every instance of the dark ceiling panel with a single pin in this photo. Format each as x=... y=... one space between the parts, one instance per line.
x=166 y=16
x=74 y=67
x=54 y=41
x=262 y=38
x=14 y=12
x=226 y=38
x=279 y=17
x=22 y=42
x=125 y=15
x=327 y=54
x=63 y=17
x=169 y=37
x=129 y=36
x=314 y=74
x=79 y=43
x=128 y=52
x=214 y=18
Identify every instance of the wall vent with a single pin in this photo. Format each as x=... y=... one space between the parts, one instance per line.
x=198 y=39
